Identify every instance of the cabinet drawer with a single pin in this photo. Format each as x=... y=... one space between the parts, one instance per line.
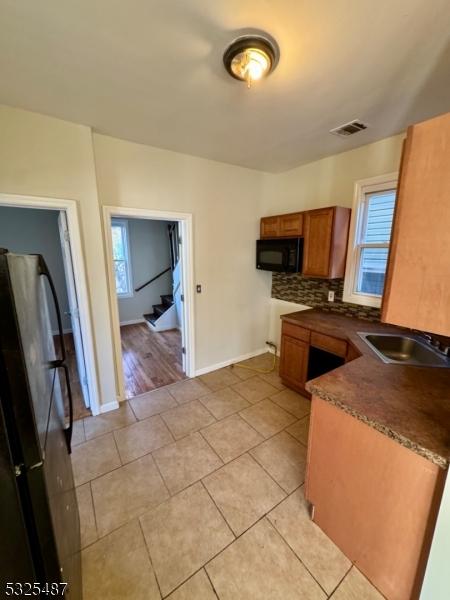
x=328 y=343
x=291 y=225
x=270 y=227
x=295 y=331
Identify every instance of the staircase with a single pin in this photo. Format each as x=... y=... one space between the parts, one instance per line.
x=163 y=315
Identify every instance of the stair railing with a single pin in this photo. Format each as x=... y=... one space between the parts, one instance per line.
x=141 y=287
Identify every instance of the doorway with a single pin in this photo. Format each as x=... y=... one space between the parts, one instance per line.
x=149 y=266
x=47 y=227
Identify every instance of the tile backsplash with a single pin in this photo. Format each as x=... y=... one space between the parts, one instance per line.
x=293 y=287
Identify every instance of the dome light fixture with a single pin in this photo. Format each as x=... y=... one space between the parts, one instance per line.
x=251 y=57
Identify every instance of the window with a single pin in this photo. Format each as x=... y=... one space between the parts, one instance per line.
x=121 y=257
x=370 y=234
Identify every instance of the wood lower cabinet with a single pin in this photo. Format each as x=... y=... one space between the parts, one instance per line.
x=294 y=362
x=307 y=354
x=417 y=290
x=377 y=500
x=326 y=237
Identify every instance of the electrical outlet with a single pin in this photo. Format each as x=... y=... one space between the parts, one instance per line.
x=330 y=296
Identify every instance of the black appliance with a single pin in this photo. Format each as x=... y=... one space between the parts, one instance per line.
x=39 y=523
x=282 y=255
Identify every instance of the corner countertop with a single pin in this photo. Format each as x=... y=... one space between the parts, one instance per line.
x=409 y=404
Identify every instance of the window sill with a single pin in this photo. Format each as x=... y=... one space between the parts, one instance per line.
x=363 y=300
x=123 y=296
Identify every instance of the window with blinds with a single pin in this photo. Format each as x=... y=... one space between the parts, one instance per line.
x=373 y=212
x=373 y=245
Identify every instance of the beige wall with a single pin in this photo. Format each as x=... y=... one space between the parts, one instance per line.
x=42 y=156
x=329 y=181
x=232 y=312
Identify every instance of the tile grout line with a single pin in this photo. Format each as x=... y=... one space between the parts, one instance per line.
x=149 y=557
x=179 y=439
x=295 y=553
x=211 y=583
x=202 y=483
x=137 y=419
x=341 y=580
x=95 y=514
x=161 y=475
x=193 y=483
x=181 y=382
x=237 y=537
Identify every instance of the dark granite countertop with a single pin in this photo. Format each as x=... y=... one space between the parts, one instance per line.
x=409 y=404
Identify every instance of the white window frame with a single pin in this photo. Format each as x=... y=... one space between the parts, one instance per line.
x=124 y=225
x=362 y=187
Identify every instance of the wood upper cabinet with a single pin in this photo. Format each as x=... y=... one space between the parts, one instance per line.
x=325 y=233
x=290 y=225
x=294 y=361
x=325 y=246
x=417 y=290
x=270 y=227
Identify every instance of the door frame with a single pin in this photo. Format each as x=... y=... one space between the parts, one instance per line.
x=70 y=207
x=186 y=256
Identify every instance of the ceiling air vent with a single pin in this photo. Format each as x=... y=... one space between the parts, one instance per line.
x=349 y=128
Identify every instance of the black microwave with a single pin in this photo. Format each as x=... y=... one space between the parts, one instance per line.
x=282 y=255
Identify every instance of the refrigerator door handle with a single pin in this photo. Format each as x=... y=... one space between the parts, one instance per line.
x=59 y=363
x=43 y=270
x=68 y=429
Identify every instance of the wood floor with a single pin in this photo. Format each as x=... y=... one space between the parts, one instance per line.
x=79 y=407
x=150 y=360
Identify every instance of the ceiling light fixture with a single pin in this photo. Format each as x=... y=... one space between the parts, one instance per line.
x=251 y=57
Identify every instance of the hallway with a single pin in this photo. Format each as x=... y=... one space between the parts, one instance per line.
x=150 y=360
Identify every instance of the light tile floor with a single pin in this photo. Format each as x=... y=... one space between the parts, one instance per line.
x=195 y=492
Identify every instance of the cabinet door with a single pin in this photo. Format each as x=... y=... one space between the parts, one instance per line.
x=318 y=239
x=294 y=361
x=270 y=227
x=417 y=290
x=291 y=225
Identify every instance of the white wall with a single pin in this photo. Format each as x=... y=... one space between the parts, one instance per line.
x=436 y=585
x=47 y=157
x=43 y=156
x=329 y=181
x=30 y=231
x=149 y=255
x=232 y=312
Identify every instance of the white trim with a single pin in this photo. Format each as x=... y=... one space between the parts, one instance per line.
x=132 y=322
x=362 y=186
x=186 y=234
x=231 y=361
x=71 y=209
x=104 y=408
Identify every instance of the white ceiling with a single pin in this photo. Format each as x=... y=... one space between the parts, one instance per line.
x=151 y=71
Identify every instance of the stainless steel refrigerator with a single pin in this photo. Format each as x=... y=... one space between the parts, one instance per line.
x=39 y=524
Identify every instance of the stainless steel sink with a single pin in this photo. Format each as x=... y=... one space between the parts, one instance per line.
x=404 y=350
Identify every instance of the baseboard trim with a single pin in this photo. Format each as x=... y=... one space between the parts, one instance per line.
x=132 y=322
x=231 y=361
x=104 y=408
